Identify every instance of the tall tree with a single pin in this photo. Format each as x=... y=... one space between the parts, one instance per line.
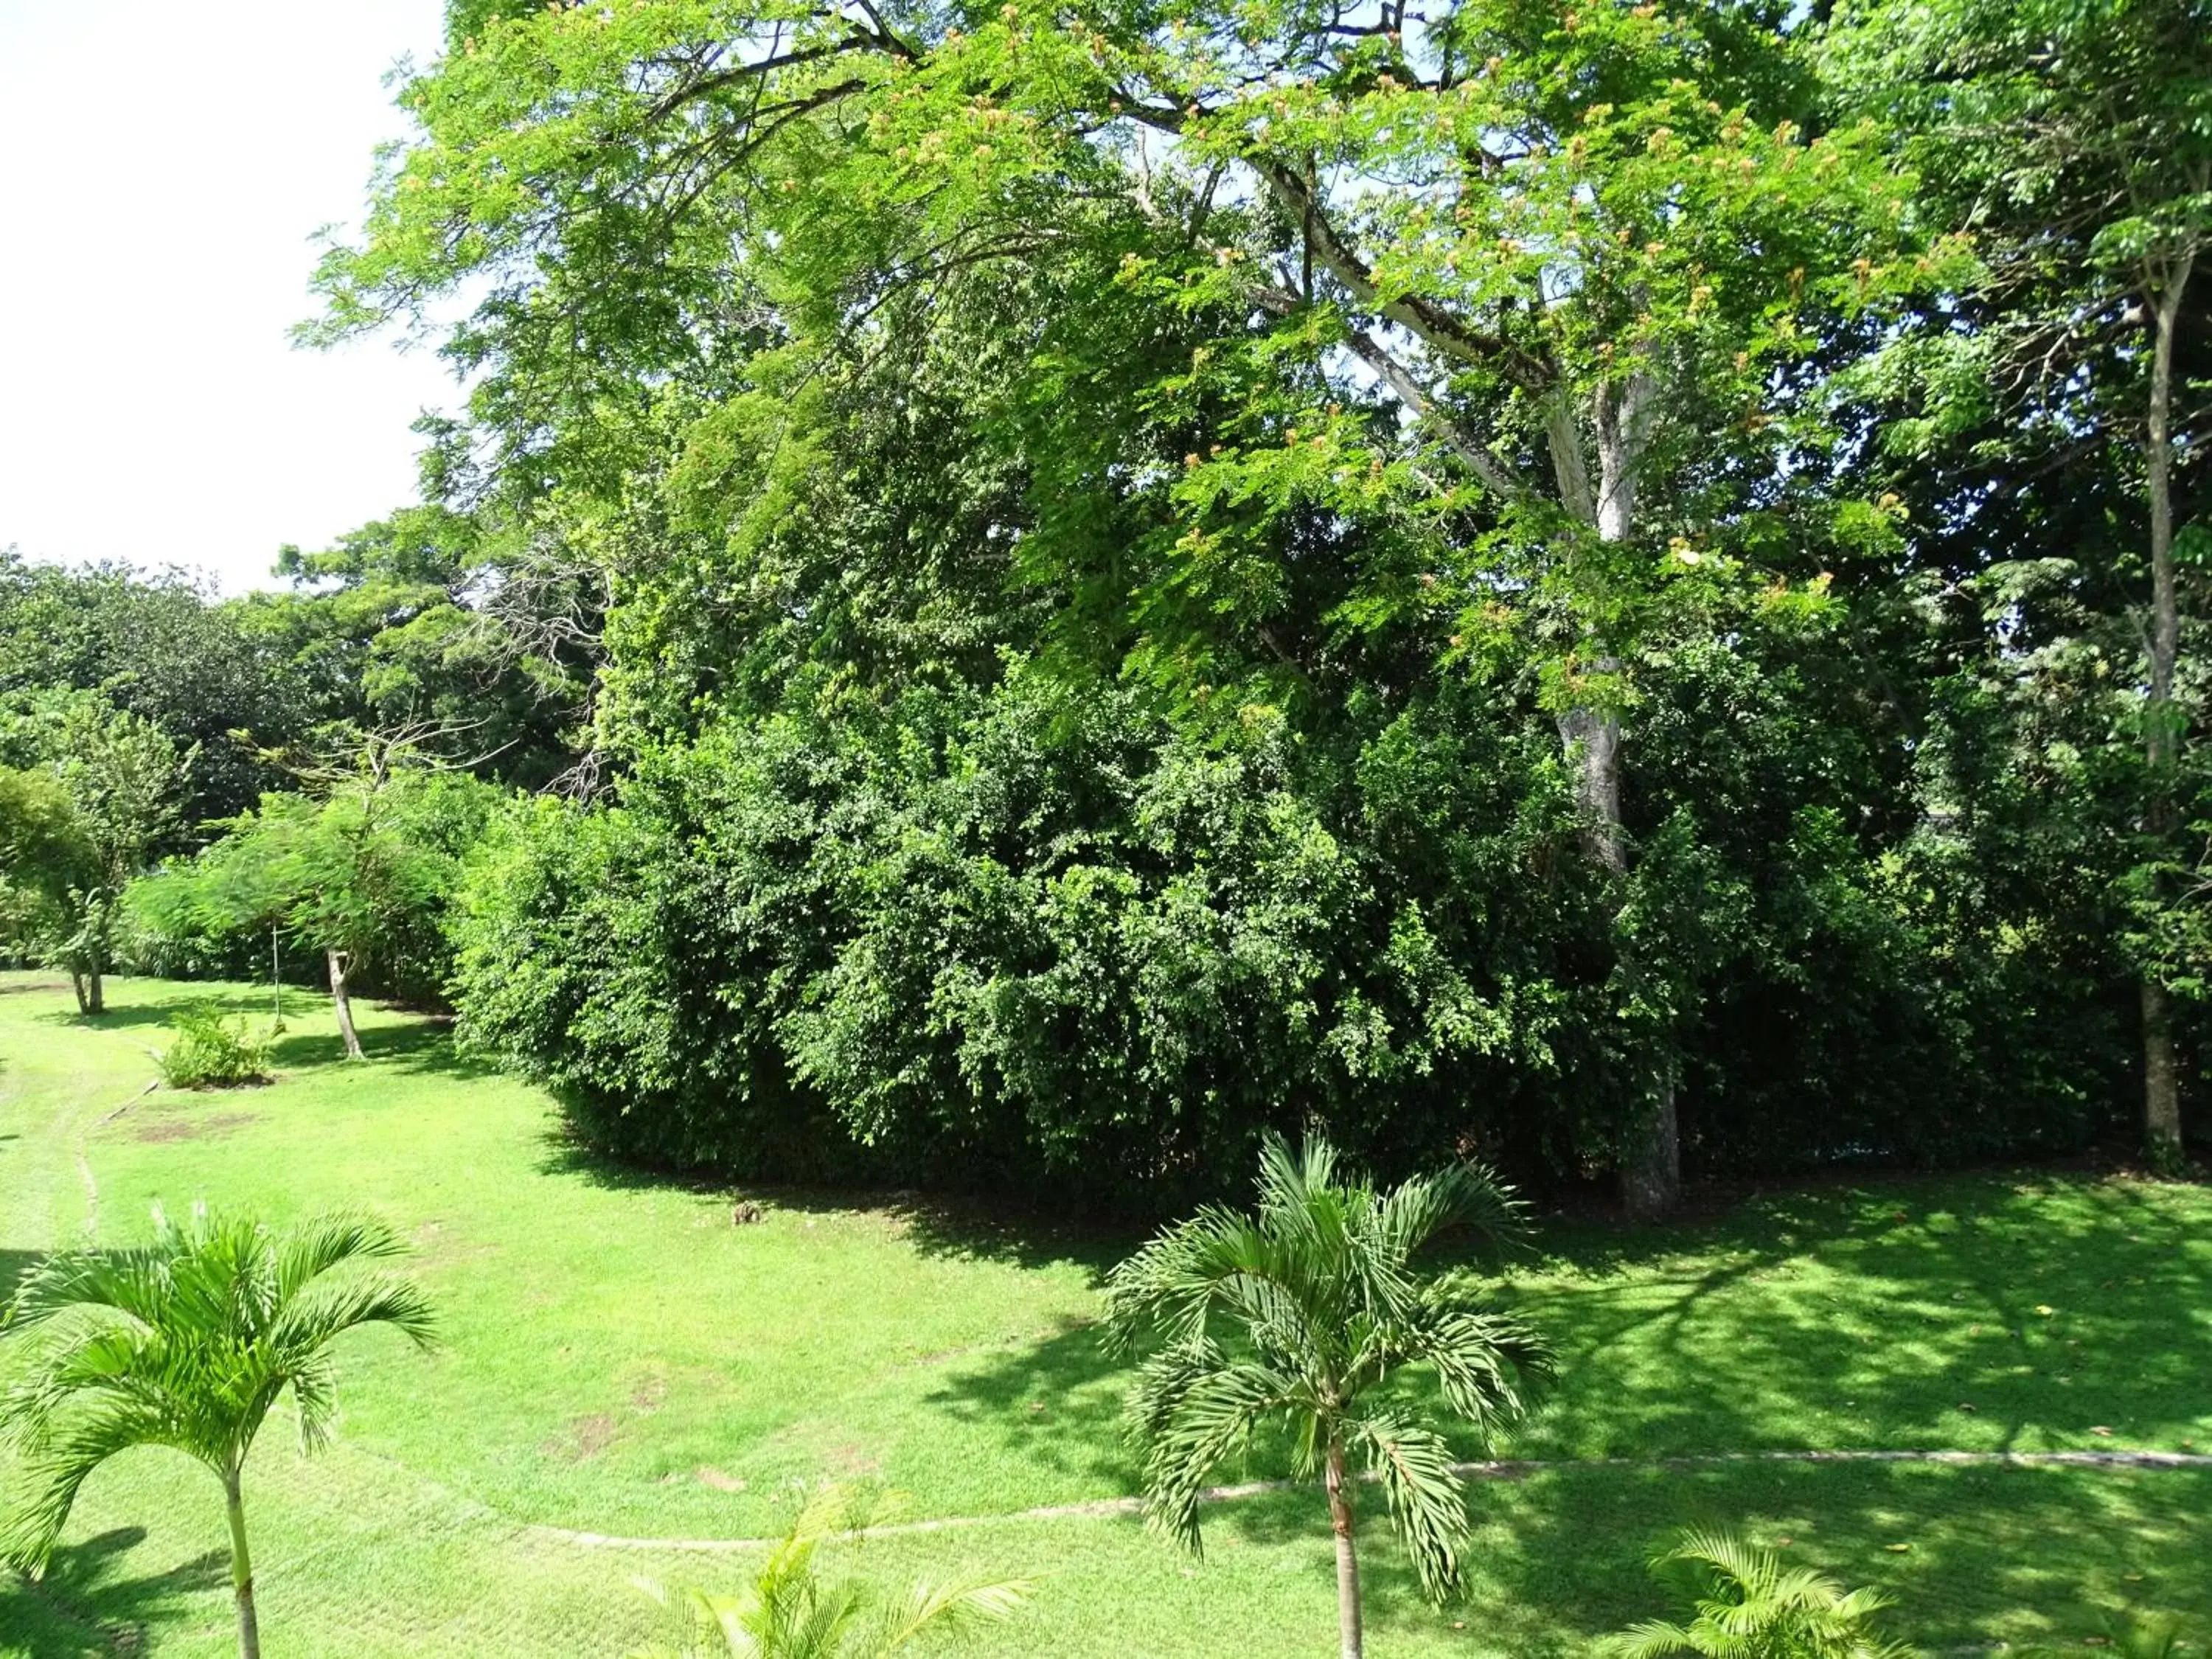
x=2075 y=137
x=126 y=782
x=361 y=870
x=1545 y=284
x=166 y=648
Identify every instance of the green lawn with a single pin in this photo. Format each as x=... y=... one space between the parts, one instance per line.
x=620 y=1359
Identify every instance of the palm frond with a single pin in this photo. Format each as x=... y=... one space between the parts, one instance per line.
x=47 y=1483
x=929 y=1608
x=1489 y=1367
x=131 y=1284
x=1213 y=1414
x=1652 y=1639
x=1426 y=1497
x=326 y=1308
x=331 y=1240
x=1469 y=1195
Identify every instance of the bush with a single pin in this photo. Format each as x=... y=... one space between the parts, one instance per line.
x=1748 y=1606
x=211 y=1052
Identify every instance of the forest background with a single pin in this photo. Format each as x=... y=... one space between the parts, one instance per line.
x=1026 y=592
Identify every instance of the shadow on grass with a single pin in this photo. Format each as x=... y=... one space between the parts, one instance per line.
x=420 y=1048
x=1969 y=1557
x=951 y=1225
x=1056 y=1404
x=1999 y=1312
x=83 y=1605
x=1992 y=1312
x=421 y=1044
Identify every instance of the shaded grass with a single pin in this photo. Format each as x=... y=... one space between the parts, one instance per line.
x=621 y=1358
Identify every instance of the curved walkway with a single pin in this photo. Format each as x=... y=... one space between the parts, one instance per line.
x=1508 y=1468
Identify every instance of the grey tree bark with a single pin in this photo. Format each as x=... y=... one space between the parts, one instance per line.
x=339 y=995
x=1621 y=414
x=2161 y=1070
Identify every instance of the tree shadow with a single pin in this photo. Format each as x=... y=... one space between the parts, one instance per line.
x=1969 y=1558
x=1995 y=1312
x=1055 y=1404
x=958 y=1226
x=419 y=1044
x=1966 y=1555
x=419 y=1047
x=83 y=1605
x=1992 y=1312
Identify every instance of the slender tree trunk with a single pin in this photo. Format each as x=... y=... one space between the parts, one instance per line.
x=241 y=1570
x=337 y=962
x=1651 y=1159
x=2162 y=1071
x=275 y=979
x=83 y=992
x=1350 y=1640
x=96 y=997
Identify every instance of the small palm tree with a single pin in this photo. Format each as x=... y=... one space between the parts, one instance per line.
x=1748 y=1606
x=1297 y=1315
x=185 y=1343
x=790 y=1611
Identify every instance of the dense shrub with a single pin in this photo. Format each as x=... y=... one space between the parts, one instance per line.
x=210 y=1052
x=1002 y=935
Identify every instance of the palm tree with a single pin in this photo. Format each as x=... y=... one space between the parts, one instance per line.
x=185 y=1342
x=1298 y=1315
x=1748 y=1606
x=790 y=1611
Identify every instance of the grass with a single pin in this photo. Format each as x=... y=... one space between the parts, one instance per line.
x=621 y=1359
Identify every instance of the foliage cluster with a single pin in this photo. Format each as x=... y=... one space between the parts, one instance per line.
x=1613 y=587
x=210 y=1050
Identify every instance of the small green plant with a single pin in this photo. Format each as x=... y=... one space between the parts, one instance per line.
x=1747 y=1605
x=185 y=1343
x=791 y=1611
x=211 y=1052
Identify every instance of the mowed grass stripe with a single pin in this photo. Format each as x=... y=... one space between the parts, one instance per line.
x=623 y=1361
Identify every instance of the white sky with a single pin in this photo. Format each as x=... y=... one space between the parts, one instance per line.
x=162 y=166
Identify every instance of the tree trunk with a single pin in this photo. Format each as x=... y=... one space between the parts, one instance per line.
x=2162 y=1071
x=241 y=1570
x=337 y=960
x=95 y=995
x=1349 y=1638
x=83 y=993
x=1651 y=1159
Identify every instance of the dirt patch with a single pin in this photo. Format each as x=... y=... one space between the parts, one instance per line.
x=720 y=1481
x=196 y=1129
x=586 y=1437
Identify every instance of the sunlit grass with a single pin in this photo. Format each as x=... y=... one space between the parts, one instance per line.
x=621 y=1358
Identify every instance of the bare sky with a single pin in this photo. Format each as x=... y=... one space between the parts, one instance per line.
x=162 y=168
